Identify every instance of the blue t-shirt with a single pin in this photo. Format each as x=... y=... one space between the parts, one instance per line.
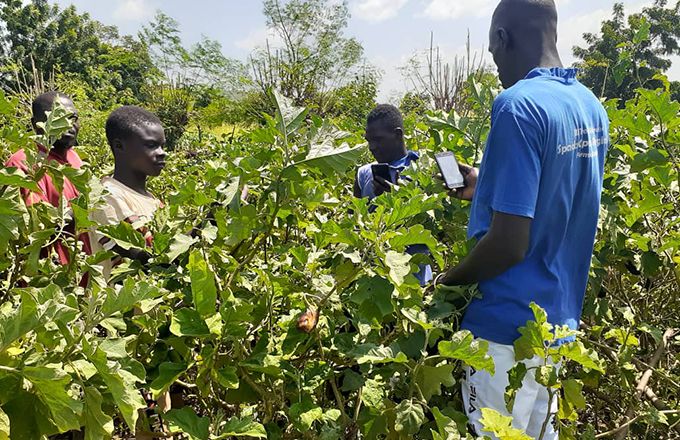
x=365 y=182
x=544 y=160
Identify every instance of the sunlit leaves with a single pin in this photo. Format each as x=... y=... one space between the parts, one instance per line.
x=185 y=420
x=242 y=427
x=501 y=426
x=51 y=384
x=168 y=373
x=98 y=425
x=122 y=386
x=431 y=379
x=535 y=335
x=4 y=425
x=203 y=287
x=399 y=266
x=188 y=322
x=464 y=347
x=409 y=417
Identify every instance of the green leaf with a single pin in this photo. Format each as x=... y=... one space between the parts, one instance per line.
x=131 y=294
x=623 y=337
x=114 y=348
x=373 y=354
x=642 y=34
x=57 y=123
x=188 y=322
x=374 y=296
x=573 y=399
x=15 y=177
x=122 y=386
x=409 y=417
x=431 y=379
x=464 y=347
x=446 y=427
x=546 y=375
x=418 y=235
x=15 y=323
x=536 y=336
x=168 y=373
x=288 y=116
x=188 y=422
x=124 y=235
x=227 y=377
x=352 y=381
x=97 y=424
x=577 y=352
x=203 y=288
x=501 y=426
x=331 y=161
x=4 y=425
x=399 y=265
x=665 y=109
x=648 y=159
x=180 y=244
x=304 y=414
x=50 y=384
x=515 y=379
x=245 y=427
x=13 y=216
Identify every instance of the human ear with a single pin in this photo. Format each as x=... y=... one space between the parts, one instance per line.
x=116 y=144
x=503 y=38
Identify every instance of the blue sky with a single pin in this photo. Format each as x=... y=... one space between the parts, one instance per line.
x=390 y=30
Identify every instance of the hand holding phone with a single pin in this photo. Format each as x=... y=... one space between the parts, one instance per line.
x=382 y=178
x=450 y=170
x=381 y=170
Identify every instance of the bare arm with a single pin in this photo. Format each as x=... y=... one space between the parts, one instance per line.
x=504 y=246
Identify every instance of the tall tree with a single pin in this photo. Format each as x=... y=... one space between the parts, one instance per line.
x=629 y=52
x=201 y=64
x=37 y=33
x=313 y=55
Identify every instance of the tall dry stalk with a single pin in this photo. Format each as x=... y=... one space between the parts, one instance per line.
x=443 y=82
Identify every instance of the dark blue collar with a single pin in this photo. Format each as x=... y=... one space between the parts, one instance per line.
x=567 y=74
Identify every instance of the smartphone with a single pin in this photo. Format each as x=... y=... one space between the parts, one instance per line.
x=381 y=170
x=448 y=166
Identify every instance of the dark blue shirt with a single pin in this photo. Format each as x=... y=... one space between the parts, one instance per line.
x=544 y=160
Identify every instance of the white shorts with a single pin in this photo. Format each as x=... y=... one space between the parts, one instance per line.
x=482 y=390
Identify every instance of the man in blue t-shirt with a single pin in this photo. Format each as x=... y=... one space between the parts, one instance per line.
x=385 y=136
x=535 y=205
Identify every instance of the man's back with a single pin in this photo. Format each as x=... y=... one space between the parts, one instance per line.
x=544 y=160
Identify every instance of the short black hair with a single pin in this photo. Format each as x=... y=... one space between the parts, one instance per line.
x=123 y=121
x=44 y=103
x=387 y=113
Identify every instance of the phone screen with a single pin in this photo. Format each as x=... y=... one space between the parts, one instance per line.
x=450 y=171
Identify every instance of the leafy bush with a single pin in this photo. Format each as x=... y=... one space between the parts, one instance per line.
x=295 y=313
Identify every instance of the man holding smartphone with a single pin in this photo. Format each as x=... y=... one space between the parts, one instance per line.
x=385 y=136
x=535 y=206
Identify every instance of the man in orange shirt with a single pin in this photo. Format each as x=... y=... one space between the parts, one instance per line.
x=60 y=152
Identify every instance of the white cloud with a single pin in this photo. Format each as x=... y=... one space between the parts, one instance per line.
x=570 y=32
x=133 y=10
x=392 y=83
x=377 y=10
x=453 y=9
x=258 y=38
